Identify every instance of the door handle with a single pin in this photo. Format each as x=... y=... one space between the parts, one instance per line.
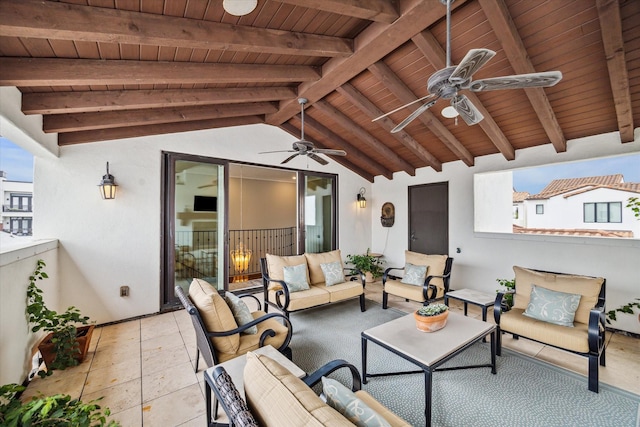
x=413 y=236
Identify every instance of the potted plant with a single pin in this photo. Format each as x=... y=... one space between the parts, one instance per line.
x=507 y=300
x=432 y=317
x=366 y=264
x=57 y=410
x=65 y=344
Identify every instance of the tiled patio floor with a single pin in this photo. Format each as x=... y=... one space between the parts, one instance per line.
x=144 y=368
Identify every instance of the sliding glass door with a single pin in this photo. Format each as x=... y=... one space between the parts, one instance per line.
x=318 y=217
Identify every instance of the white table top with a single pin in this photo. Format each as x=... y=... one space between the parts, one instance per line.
x=473 y=296
x=429 y=348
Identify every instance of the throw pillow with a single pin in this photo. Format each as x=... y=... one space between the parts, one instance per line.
x=295 y=276
x=345 y=401
x=333 y=273
x=550 y=306
x=414 y=274
x=241 y=312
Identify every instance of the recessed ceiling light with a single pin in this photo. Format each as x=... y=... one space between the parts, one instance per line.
x=239 y=7
x=449 y=112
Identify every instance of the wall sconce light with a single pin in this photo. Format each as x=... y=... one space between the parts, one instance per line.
x=108 y=186
x=362 y=202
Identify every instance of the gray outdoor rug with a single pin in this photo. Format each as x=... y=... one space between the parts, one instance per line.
x=524 y=392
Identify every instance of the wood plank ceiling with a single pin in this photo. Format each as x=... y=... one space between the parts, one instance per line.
x=108 y=69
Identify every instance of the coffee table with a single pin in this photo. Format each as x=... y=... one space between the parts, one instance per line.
x=428 y=350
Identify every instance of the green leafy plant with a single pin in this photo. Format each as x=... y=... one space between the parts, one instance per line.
x=432 y=310
x=54 y=411
x=634 y=204
x=61 y=325
x=627 y=308
x=510 y=286
x=366 y=264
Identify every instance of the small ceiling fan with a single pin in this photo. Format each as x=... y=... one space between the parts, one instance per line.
x=306 y=148
x=447 y=82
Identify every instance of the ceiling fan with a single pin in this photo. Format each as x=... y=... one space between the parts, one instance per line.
x=447 y=82
x=306 y=148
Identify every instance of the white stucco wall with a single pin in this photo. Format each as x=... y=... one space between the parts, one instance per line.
x=484 y=257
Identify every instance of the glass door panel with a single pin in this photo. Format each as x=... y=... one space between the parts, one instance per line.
x=319 y=213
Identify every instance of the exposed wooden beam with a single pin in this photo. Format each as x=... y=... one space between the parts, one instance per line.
x=370 y=110
x=498 y=16
x=46 y=19
x=294 y=131
x=92 y=101
x=138 y=131
x=348 y=124
x=352 y=152
x=26 y=72
x=611 y=29
x=114 y=119
x=371 y=45
x=405 y=95
x=431 y=49
x=373 y=10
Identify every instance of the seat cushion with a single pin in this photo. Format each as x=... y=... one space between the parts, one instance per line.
x=436 y=264
x=276 y=397
x=314 y=260
x=342 y=291
x=276 y=264
x=312 y=297
x=587 y=287
x=372 y=403
x=216 y=315
x=402 y=290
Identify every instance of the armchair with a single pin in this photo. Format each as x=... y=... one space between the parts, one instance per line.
x=436 y=279
x=219 y=338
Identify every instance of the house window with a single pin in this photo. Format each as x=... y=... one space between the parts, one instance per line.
x=539 y=209
x=603 y=212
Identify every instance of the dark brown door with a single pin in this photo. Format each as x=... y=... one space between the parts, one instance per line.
x=429 y=218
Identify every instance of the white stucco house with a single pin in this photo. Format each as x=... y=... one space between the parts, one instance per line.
x=17 y=206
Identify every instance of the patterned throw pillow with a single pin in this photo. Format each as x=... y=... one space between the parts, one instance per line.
x=414 y=274
x=241 y=312
x=347 y=403
x=333 y=273
x=554 y=307
x=295 y=276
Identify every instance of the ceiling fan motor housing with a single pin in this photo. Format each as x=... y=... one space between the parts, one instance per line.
x=439 y=84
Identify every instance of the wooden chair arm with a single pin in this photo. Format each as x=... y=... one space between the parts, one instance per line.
x=315 y=377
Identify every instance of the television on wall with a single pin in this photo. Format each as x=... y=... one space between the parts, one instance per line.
x=205 y=204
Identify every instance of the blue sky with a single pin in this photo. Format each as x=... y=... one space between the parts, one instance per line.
x=15 y=161
x=533 y=180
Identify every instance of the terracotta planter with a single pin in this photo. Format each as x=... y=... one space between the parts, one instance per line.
x=83 y=335
x=431 y=323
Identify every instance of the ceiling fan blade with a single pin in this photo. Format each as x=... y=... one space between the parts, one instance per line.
x=289 y=158
x=206 y=186
x=472 y=62
x=431 y=95
x=413 y=115
x=467 y=110
x=330 y=152
x=518 y=81
x=279 y=151
x=318 y=159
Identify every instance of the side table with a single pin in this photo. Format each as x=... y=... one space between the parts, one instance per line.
x=470 y=296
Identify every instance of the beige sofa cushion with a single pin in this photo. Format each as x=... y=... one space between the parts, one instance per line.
x=276 y=397
x=311 y=297
x=276 y=264
x=435 y=263
x=402 y=290
x=216 y=315
x=588 y=287
x=342 y=291
x=382 y=410
x=314 y=260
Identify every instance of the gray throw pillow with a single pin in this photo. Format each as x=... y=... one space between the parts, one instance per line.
x=333 y=273
x=241 y=312
x=554 y=307
x=347 y=403
x=414 y=274
x=295 y=276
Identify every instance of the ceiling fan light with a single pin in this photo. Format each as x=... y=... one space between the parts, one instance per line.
x=239 y=7
x=449 y=112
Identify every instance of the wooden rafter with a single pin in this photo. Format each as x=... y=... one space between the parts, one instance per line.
x=431 y=49
x=498 y=16
x=94 y=24
x=405 y=95
x=92 y=101
x=374 y=10
x=118 y=119
x=146 y=130
x=348 y=124
x=370 y=110
x=611 y=29
x=25 y=72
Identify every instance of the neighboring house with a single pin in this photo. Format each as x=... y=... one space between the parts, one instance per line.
x=594 y=206
x=17 y=206
x=519 y=214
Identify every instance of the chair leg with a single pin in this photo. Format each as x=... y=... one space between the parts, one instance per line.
x=593 y=372
x=362 y=308
x=385 y=297
x=498 y=342
x=197 y=358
